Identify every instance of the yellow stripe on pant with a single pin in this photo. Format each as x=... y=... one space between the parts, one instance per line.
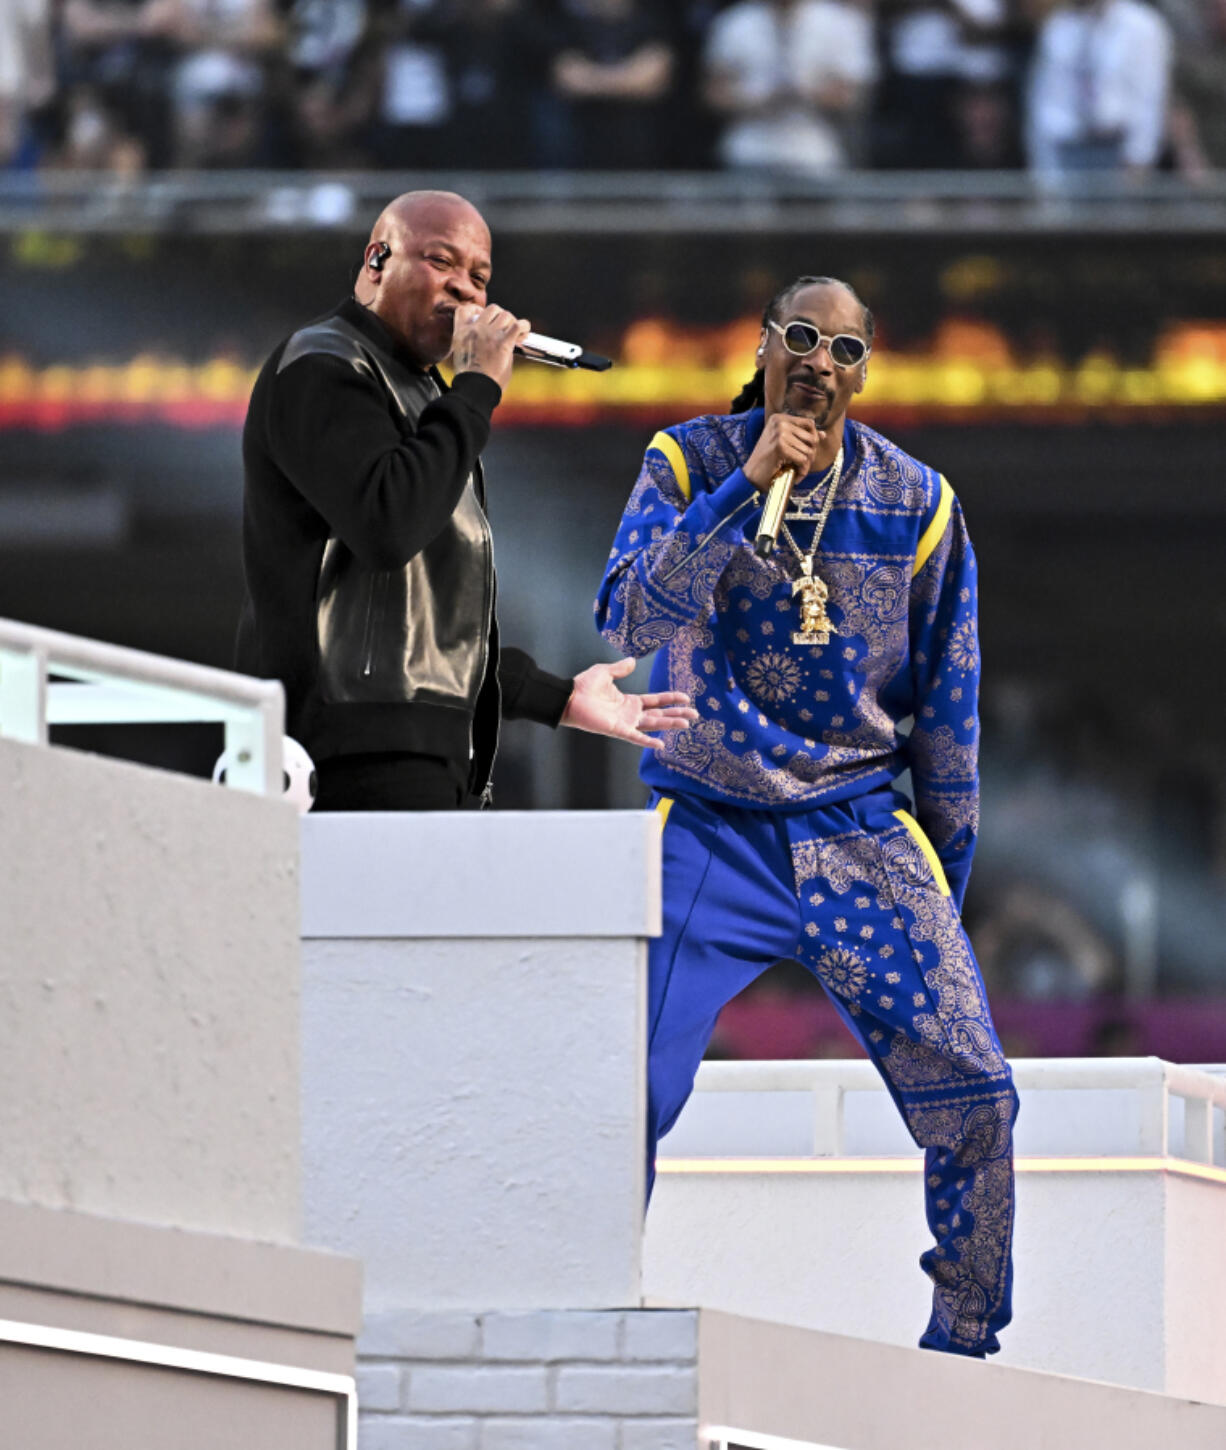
x=926 y=846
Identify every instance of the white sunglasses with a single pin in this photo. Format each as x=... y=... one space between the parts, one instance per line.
x=802 y=338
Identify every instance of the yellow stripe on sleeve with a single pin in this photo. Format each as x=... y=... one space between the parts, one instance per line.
x=665 y=443
x=663 y=806
x=934 y=532
x=926 y=846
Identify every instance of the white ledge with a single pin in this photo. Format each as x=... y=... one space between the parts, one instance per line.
x=481 y=874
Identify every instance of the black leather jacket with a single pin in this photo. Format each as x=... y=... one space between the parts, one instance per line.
x=369 y=558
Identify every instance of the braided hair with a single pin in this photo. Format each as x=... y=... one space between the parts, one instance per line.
x=753 y=394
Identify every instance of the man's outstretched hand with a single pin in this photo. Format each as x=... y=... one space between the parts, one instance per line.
x=596 y=704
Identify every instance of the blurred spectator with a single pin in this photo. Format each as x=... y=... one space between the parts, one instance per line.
x=322 y=36
x=91 y=136
x=497 y=61
x=219 y=85
x=115 y=111
x=414 y=95
x=1099 y=89
x=793 y=78
x=687 y=121
x=333 y=73
x=610 y=84
x=611 y=70
x=27 y=78
x=1198 y=104
x=418 y=83
x=947 y=99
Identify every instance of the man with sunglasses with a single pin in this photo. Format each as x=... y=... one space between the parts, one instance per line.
x=785 y=835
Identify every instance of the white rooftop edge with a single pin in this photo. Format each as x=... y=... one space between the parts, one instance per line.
x=481 y=874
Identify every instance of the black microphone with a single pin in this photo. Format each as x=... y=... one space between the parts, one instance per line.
x=557 y=354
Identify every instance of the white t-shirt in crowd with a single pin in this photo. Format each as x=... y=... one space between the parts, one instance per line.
x=24 y=51
x=324 y=33
x=215 y=71
x=930 y=41
x=1100 y=73
x=771 y=50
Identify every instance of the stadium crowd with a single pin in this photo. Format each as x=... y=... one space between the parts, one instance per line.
x=802 y=87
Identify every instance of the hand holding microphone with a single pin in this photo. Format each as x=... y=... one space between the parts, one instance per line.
x=783 y=454
x=483 y=341
x=480 y=344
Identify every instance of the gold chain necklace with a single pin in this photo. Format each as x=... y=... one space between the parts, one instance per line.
x=815 y=624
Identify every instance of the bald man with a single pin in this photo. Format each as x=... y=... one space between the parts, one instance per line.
x=367 y=551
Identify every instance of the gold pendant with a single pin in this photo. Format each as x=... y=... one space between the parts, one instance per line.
x=815 y=625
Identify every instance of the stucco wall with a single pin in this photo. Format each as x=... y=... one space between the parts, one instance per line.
x=473 y=1077
x=148 y=995
x=472 y=1119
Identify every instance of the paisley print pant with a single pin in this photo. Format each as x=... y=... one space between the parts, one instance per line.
x=855 y=892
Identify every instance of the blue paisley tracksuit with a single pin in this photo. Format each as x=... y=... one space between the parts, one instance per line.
x=784 y=836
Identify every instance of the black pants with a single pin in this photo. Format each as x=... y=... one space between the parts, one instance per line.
x=391 y=782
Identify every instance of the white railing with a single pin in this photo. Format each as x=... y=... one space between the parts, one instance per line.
x=339 y=1387
x=1160 y=1108
x=106 y=684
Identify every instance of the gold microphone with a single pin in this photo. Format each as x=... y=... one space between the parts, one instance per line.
x=773 y=511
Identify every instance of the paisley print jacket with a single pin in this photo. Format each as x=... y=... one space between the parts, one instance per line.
x=786 y=725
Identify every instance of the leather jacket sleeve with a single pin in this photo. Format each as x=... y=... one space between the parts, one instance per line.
x=529 y=692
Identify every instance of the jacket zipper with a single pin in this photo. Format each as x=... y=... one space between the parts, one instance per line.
x=368 y=642
x=487 y=612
